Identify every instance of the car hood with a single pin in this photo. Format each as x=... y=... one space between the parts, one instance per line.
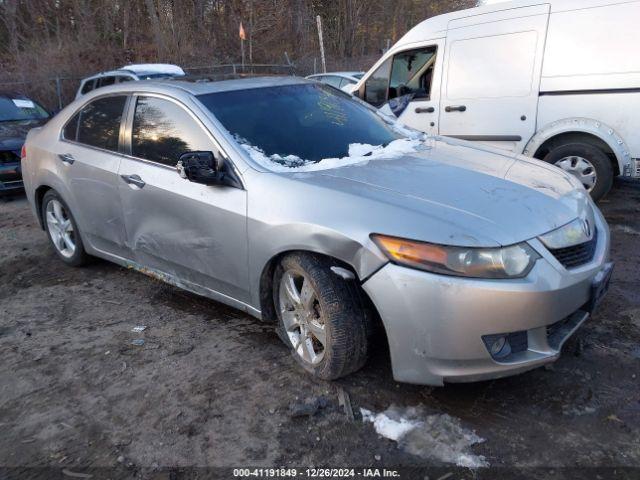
x=13 y=134
x=457 y=194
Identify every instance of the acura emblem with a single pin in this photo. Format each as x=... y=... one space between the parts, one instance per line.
x=586 y=228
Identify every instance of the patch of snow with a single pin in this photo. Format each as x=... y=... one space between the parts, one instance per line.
x=437 y=437
x=359 y=153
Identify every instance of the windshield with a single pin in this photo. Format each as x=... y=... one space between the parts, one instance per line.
x=16 y=109
x=306 y=122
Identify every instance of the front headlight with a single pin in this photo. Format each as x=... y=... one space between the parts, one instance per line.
x=515 y=261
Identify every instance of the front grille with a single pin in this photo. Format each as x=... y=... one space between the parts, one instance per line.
x=576 y=255
x=8 y=157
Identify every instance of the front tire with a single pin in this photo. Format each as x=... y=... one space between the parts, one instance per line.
x=590 y=165
x=321 y=316
x=62 y=230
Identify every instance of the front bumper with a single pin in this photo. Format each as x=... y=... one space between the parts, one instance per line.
x=435 y=324
x=10 y=178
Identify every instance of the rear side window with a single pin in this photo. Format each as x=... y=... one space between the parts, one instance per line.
x=87 y=87
x=70 y=131
x=98 y=123
x=162 y=131
x=106 y=81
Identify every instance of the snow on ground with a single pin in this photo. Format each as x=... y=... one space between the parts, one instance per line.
x=437 y=437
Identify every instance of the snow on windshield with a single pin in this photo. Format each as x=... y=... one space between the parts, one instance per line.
x=359 y=153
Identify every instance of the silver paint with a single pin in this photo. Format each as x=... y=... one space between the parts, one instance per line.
x=220 y=241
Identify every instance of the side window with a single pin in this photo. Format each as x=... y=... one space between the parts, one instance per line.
x=377 y=85
x=87 y=87
x=332 y=80
x=70 y=131
x=99 y=122
x=163 y=130
x=345 y=81
x=412 y=72
x=105 y=81
x=124 y=78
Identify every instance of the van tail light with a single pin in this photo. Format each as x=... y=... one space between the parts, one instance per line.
x=23 y=153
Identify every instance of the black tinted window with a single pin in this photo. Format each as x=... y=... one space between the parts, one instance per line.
x=70 y=131
x=377 y=85
x=411 y=73
x=106 y=81
x=88 y=86
x=162 y=131
x=100 y=122
x=309 y=121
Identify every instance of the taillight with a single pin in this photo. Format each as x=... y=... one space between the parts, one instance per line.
x=23 y=152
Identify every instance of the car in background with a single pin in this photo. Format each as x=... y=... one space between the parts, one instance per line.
x=342 y=80
x=128 y=73
x=18 y=115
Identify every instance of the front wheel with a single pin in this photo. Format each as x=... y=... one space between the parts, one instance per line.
x=321 y=316
x=587 y=163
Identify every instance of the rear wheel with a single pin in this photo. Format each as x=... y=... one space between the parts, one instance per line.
x=321 y=316
x=62 y=230
x=590 y=165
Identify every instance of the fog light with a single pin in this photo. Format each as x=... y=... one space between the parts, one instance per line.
x=498 y=345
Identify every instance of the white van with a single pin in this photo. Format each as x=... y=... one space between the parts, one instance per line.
x=558 y=80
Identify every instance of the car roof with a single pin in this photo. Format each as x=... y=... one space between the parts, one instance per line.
x=337 y=74
x=198 y=86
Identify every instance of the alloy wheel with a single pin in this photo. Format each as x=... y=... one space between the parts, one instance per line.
x=302 y=317
x=60 y=228
x=581 y=168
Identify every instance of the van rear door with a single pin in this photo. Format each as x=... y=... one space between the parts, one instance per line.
x=491 y=76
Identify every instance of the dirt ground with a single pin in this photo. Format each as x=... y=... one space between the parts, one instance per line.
x=213 y=387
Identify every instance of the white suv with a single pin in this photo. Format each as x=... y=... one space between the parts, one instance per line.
x=144 y=71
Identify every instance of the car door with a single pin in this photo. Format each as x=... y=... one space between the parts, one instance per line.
x=408 y=85
x=88 y=161
x=192 y=233
x=492 y=76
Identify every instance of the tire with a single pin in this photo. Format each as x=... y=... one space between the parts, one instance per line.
x=335 y=304
x=569 y=157
x=76 y=257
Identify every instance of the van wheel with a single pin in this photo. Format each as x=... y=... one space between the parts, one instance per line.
x=321 y=316
x=587 y=163
x=62 y=230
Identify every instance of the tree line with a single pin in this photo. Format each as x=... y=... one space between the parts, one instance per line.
x=42 y=39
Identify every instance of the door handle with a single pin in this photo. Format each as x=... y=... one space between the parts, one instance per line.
x=66 y=158
x=133 y=180
x=425 y=110
x=455 y=108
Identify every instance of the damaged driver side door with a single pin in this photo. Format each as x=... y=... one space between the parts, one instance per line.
x=186 y=233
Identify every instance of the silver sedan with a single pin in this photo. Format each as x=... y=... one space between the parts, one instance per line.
x=303 y=206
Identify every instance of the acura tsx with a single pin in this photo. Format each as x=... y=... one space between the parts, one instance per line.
x=303 y=206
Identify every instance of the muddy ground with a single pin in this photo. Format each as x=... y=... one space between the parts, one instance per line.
x=213 y=387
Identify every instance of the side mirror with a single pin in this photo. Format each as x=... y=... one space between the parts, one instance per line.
x=199 y=167
x=205 y=168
